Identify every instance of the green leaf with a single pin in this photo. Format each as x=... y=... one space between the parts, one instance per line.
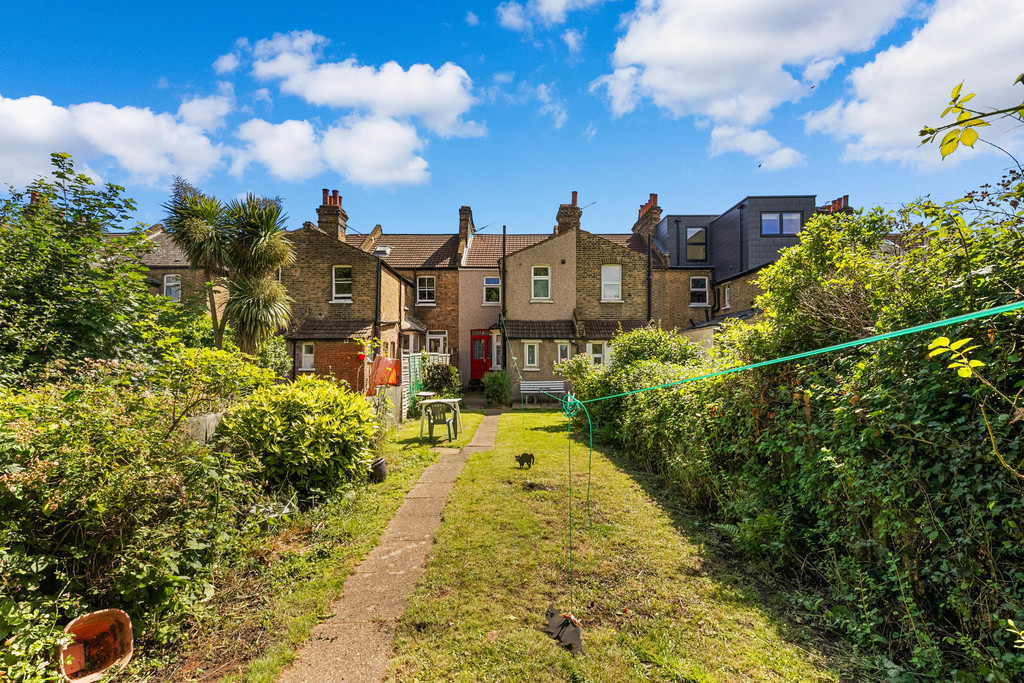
x=963 y=116
x=941 y=341
x=965 y=372
x=960 y=343
x=966 y=99
x=956 y=90
x=969 y=137
x=949 y=143
x=976 y=364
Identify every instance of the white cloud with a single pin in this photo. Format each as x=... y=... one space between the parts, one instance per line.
x=376 y=152
x=262 y=95
x=554 y=11
x=551 y=105
x=907 y=86
x=148 y=146
x=205 y=113
x=438 y=98
x=590 y=131
x=290 y=150
x=504 y=76
x=512 y=15
x=769 y=152
x=225 y=64
x=472 y=19
x=733 y=61
x=573 y=40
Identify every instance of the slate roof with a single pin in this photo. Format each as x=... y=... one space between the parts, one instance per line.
x=606 y=329
x=485 y=250
x=540 y=329
x=331 y=329
x=165 y=253
x=420 y=251
x=637 y=243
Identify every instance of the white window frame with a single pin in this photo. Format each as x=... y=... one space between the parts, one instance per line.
x=535 y=345
x=409 y=344
x=422 y=289
x=496 y=284
x=534 y=279
x=562 y=351
x=440 y=335
x=727 y=298
x=602 y=358
x=307 y=360
x=611 y=283
x=694 y=290
x=496 y=355
x=172 y=286
x=336 y=280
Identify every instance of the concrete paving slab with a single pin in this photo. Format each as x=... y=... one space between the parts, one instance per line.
x=354 y=645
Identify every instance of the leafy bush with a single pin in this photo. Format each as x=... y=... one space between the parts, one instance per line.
x=443 y=379
x=311 y=436
x=872 y=474
x=496 y=388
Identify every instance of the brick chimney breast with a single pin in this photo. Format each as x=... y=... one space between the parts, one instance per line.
x=331 y=218
x=466 y=226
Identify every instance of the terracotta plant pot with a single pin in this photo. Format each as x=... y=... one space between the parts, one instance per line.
x=103 y=640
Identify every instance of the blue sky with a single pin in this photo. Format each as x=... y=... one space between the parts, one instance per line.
x=412 y=109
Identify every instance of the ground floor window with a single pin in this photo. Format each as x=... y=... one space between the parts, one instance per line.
x=437 y=341
x=563 y=351
x=531 y=355
x=307 y=356
x=496 y=357
x=172 y=287
x=600 y=352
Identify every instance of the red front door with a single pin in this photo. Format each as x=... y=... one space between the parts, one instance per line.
x=480 y=355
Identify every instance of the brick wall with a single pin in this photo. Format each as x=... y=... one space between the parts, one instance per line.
x=192 y=282
x=593 y=251
x=335 y=358
x=310 y=281
x=444 y=314
x=559 y=252
x=742 y=292
x=678 y=312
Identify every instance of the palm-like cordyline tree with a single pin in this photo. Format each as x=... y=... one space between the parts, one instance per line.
x=246 y=239
x=257 y=304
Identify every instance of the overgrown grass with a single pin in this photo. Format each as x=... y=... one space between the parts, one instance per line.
x=655 y=590
x=265 y=610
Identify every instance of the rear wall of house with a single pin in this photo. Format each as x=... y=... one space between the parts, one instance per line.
x=473 y=313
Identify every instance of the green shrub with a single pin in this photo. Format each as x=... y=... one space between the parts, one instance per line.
x=101 y=500
x=496 y=388
x=312 y=435
x=443 y=379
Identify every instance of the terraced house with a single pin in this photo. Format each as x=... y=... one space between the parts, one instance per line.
x=571 y=292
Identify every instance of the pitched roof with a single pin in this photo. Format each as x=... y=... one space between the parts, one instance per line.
x=420 y=251
x=331 y=329
x=540 y=329
x=606 y=329
x=484 y=251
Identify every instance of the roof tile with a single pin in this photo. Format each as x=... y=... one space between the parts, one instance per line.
x=485 y=250
x=331 y=329
x=540 y=329
x=420 y=251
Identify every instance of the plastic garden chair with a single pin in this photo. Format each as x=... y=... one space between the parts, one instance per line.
x=438 y=413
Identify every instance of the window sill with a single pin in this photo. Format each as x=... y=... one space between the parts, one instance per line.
x=491 y=303
x=612 y=301
x=531 y=369
x=426 y=304
x=340 y=301
x=542 y=301
x=700 y=305
x=306 y=370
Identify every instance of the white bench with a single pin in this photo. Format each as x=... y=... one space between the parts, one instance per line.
x=538 y=387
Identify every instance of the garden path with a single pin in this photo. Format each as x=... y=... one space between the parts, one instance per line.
x=354 y=644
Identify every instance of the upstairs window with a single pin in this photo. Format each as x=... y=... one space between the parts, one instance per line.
x=425 y=289
x=492 y=291
x=781 y=223
x=611 y=282
x=342 y=290
x=696 y=244
x=698 y=291
x=541 y=282
x=728 y=298
x=172 y=287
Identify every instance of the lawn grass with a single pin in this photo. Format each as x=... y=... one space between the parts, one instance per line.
x=657 y=600
x=408 y=435
x=267 y=606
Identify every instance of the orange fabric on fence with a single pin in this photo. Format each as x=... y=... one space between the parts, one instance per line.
x=383 y=371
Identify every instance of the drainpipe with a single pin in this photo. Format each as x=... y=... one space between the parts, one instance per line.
x=376 y=322
x=504 y=299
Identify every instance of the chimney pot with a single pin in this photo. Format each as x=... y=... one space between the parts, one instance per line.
x=325 y=197
x=334 y=198
x=846 y=201
x=654 y=199
x=574 y=197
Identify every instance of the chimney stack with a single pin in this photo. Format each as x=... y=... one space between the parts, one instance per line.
x=331 y=218
x=648 y=216
x=466 y=226
x=568 y=216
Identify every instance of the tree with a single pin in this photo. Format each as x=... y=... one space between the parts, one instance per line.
x=246 y=240
x=964 y=129
x=69 y=289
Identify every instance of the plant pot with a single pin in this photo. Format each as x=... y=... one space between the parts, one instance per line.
x=103 y=640
x=378 y=471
